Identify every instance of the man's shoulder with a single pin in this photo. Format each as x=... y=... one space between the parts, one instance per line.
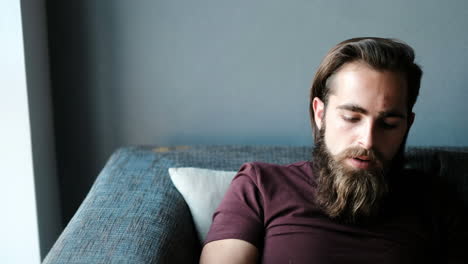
x=413 y=177
x=413 y=186
x=266 y=165
x=273 y=168
x=271 y=173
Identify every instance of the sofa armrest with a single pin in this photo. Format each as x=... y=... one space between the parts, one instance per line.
x=132 y=214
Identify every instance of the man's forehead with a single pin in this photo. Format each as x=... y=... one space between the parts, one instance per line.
x=359 y=87
x=349 y=69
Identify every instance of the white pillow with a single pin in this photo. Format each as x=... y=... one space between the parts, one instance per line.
x=203 y=190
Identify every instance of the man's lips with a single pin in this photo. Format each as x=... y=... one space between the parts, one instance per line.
x=363 y=158
x=361 y=162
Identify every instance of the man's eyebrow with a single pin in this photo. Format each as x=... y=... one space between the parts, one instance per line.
x=359 y=109
x=392 y=113
x=352 y=108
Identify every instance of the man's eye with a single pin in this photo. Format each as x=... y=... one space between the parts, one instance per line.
x=388 y=126
x=351 y=119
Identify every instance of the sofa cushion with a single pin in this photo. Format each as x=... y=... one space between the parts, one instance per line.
x=202 y=190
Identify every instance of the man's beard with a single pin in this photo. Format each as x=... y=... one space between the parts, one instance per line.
x=347 y=194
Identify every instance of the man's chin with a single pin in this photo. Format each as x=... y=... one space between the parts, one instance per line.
x=358 y=195
x=350 y=185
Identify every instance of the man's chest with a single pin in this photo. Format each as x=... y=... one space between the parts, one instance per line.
x=302 y=234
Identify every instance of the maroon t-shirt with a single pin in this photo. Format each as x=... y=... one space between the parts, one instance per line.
x=272 y=207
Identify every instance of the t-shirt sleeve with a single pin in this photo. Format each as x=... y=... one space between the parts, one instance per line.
x=240 y=214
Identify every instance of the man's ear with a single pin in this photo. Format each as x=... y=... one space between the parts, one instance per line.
x=319 y=110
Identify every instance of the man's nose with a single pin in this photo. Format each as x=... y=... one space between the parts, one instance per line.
x=367 y=137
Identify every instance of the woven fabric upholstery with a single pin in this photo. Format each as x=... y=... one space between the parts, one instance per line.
x=133 y=213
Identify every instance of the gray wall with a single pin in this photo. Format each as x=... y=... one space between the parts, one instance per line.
x=229 y=72
x=40 y=116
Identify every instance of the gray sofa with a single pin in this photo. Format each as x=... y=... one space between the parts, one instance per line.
x=134 y=214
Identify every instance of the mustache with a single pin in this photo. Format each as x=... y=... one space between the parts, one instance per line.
x=371 y=155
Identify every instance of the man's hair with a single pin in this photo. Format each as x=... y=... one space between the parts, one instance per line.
x=381 y=54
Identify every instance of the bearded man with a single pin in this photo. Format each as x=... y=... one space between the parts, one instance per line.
x=353 y=202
